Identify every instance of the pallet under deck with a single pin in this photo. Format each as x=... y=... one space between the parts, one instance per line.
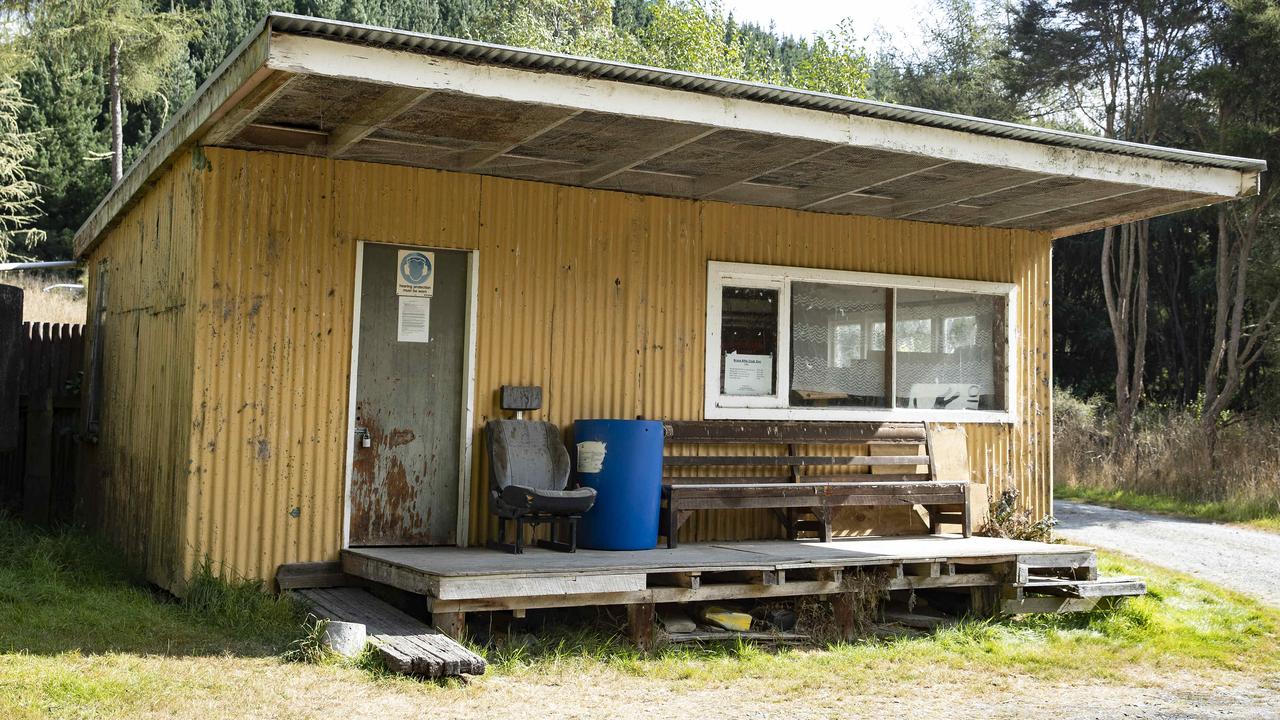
x=455 y=581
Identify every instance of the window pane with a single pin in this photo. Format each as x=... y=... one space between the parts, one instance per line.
x=950 y=350
x=748 y=341
x=913 y=336
x=834 y=357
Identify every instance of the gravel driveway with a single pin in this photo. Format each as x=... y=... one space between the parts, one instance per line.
x=1233 y=557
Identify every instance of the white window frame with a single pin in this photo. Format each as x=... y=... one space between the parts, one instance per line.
x=775 y=407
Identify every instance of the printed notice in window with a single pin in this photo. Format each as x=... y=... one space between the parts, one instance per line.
x=414 y=323
x=748 y=374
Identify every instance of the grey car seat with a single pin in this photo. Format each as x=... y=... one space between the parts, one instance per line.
x=528 y=482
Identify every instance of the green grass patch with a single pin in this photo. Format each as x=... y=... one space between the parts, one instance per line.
x=80 y=636
x=67 y=591
x=1258 y=515
x=1181 y=624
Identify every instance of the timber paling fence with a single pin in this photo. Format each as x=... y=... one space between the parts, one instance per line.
x=40 y=451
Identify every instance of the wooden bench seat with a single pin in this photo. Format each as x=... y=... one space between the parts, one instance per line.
x=900 y=474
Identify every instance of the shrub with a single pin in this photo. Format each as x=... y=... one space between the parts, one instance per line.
x=1169 y=457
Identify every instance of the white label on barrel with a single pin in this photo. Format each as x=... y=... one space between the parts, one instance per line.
x=590 y=456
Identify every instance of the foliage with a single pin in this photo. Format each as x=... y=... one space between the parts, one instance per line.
x=962 y=68
x=834 y=65
x=1169 y=470
x=1007 y=520
x=41 y=303
x=19 y=194
x=66 y=590
x=150 y=43
x=137 y=47
x=243 y=608
x=1257 y=514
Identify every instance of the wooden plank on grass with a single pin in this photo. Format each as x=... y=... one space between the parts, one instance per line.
x=1029 y=605
x=405 y=644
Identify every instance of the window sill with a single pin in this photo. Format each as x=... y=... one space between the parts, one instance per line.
x=988 y=417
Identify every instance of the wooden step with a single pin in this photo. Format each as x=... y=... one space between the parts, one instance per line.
x=405 y=644
x=1102 y=587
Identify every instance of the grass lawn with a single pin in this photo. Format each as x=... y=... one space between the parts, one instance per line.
x=1257 y=515
x=80 y=639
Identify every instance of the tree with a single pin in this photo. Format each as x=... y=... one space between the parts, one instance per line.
x=19 y=195
x=1118 y=65
x=1244 y=109
x=835 y=64
x=136 y=45
x=961 y=69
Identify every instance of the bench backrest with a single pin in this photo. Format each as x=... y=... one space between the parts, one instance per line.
x=702 y=451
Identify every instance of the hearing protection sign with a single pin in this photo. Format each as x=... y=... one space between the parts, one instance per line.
x=415 y=273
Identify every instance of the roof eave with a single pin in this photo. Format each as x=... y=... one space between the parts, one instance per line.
x=248 y=71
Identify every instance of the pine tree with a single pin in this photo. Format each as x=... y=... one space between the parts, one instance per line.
x=136 y=46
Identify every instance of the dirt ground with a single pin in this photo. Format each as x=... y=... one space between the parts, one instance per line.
x=275 y=691
x=1234 y=557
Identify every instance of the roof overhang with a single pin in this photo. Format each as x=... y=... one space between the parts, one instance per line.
x=354 y=92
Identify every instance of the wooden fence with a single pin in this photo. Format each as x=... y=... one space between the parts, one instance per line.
x=40 y=461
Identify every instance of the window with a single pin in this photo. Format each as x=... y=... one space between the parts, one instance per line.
x=748 y=341
x=795 y=343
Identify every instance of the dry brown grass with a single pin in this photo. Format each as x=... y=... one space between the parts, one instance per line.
x=1169 y=469
x=58 y=305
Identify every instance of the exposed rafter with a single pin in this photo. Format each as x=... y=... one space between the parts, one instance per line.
x=690 y=134
x=484 y=157
x=711 y=185
x=244 y=113
x=393 y=102
x=1065 y=206
x=945 y=200
x=858 y=191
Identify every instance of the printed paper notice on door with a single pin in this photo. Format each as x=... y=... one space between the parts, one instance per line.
x=748 y=374
x=415 y=273
x=414 y=323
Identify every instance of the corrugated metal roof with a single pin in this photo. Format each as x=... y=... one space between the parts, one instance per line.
x=544 y=61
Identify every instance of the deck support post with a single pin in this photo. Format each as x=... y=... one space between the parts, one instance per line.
x=984 y=601
x=453 y=624
x=640 y=617
x=844 y=607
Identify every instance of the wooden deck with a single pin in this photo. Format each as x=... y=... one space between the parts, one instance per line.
x=459 y=580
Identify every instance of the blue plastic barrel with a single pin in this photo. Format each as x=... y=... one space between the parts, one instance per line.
x=622 y=460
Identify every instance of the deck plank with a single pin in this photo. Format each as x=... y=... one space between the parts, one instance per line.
x=431 y=564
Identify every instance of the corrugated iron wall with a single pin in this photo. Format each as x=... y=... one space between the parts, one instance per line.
x=597 y=296
x=136 y=485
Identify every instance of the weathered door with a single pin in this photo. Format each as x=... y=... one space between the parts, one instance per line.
x=408 y=390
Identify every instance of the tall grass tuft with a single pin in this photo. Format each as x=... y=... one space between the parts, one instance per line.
x=1169 y=467
x=54 y=305
x=243 y=608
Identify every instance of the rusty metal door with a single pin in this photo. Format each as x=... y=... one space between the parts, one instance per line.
x=408 y=396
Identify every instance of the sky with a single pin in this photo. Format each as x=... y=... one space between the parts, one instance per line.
x=806 y=18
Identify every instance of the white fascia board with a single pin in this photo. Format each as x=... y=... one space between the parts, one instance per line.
x=301 y=54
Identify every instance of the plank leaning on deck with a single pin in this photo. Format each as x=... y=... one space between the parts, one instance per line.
x=405 y=644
